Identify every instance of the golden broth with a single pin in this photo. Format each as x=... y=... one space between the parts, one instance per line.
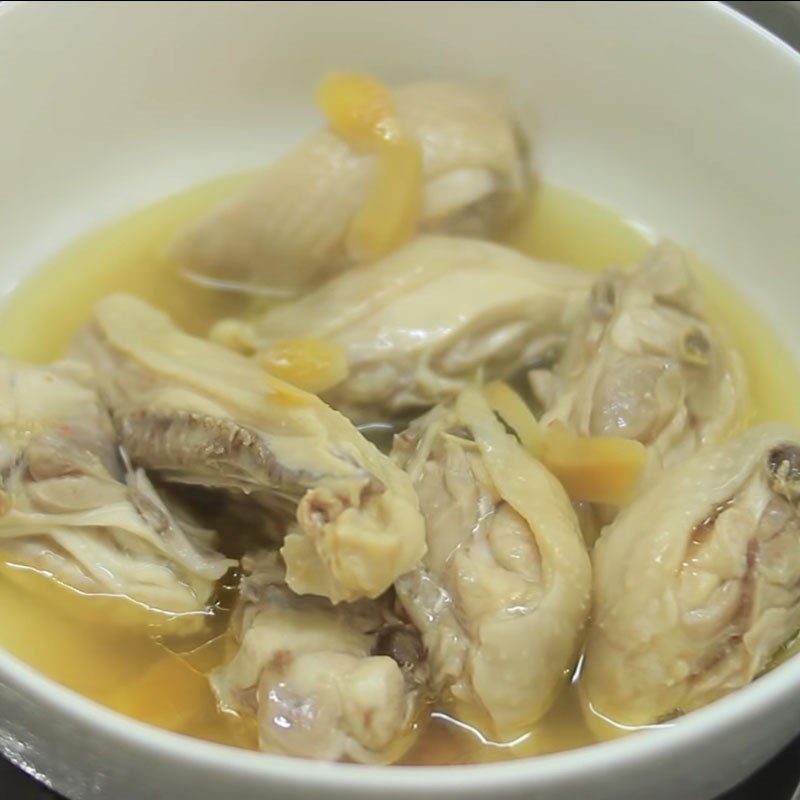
x=133 y=660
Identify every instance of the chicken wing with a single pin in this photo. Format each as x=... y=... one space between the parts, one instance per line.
x=314 y=675
x=422 y=323
x=71 y=507
x=646 y=363
x=503 y=593
x=199 y=414
x=697 y=582
x=289 y=229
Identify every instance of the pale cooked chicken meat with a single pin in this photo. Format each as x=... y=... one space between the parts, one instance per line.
x=312 y=674
x=697 y=582
x=420 y=324
x=197 y=413
x=502 y=595
x=70 y=507
x=646 y=363
x=289 y=228
x=394 y=560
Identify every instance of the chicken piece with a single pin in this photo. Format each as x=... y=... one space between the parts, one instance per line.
x=646 y=363
x=420 y=324
x=310 y=672
x=697 y=583
x=289 y=228
x=70 y=507
x=503 y=593
x=199 y=414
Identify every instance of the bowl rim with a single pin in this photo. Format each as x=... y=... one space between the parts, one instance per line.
x=690 y=731
x=686 y=733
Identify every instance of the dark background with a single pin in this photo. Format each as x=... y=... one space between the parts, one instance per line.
x=778 y=780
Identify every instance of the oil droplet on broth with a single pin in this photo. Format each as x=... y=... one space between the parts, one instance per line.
x=114 y=652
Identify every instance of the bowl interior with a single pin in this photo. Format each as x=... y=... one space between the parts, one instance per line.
x=639 y=106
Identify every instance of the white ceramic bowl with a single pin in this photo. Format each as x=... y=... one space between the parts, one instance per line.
x=680 y=114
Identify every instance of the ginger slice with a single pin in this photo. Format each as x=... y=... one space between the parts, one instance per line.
x=362 y=112
x=513 y=410
x=313 y=365
x=597 y=469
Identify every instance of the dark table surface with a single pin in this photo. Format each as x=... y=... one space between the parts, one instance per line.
x=780 y=778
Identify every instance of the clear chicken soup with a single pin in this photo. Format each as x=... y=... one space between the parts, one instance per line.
x=133 y=660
